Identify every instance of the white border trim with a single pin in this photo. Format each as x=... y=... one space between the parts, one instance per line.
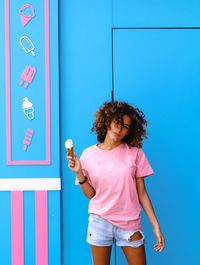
x=34 y=184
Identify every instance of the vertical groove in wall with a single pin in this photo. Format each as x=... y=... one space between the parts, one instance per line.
x=113 y=76
x=112 y=55
x=113 y=89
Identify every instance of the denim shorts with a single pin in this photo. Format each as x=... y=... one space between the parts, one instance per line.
x=103 y=233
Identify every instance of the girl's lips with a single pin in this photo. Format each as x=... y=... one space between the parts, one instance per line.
x=117 y=134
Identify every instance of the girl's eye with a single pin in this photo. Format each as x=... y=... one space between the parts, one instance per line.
x=119 y=124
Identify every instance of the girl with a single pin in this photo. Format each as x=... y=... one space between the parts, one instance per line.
x=111 y=174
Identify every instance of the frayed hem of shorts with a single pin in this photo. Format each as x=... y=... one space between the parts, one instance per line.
x=98 y=244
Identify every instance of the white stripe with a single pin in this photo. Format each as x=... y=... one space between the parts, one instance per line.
x=14 y=184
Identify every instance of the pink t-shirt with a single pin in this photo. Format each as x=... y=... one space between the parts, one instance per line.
x=112 y=174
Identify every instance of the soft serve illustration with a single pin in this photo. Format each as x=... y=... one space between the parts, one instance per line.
x=28 y=109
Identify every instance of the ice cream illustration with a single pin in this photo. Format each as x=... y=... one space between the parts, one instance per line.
x=28 y=138
x=27 y=45
x=27 y=76
x=26 y=12
x=70 y=147
x=28 y=108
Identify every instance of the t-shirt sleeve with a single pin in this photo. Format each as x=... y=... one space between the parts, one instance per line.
x=144 y=169
x=84 y=168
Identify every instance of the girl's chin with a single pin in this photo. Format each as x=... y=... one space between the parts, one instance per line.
x=116 y=139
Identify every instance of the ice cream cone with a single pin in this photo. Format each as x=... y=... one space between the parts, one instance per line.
x=70 y=147
x=70 y=151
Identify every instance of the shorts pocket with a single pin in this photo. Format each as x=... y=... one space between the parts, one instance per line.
x=98 y=234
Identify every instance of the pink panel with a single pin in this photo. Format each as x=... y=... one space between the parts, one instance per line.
x=47 y=56
x=41 y=228
x=8 y=90
x=7 y=39
x=17 y=222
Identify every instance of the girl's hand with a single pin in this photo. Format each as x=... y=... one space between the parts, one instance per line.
x=74 y=164
x=160 y=244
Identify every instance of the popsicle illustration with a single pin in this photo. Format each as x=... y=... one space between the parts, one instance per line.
x=27 y=45
x=70 y=147
x=27 y=76
x=28 y=138
x=28 y=108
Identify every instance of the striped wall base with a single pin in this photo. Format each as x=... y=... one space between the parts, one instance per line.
x=32 y=236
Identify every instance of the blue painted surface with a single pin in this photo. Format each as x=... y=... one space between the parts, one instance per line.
x=158 y=70
x=85 y=82
x=171 y=110
x=157 y=13
x=85 y=64
x=36 y=91
x=5 y=228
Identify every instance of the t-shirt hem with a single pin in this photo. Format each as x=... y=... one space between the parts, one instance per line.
x=124 y=227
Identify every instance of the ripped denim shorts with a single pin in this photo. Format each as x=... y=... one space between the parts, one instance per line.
x=103 y=233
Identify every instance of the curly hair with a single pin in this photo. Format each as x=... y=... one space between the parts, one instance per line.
x=110 y=111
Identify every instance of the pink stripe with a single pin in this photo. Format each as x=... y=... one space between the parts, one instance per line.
x=17 y=222
x=41 y=228
x=7 y=45
x=28 y=162
x=47 y=161
x=47 y=57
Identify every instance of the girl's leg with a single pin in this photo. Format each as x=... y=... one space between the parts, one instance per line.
x=135 y=256
x=101 y=255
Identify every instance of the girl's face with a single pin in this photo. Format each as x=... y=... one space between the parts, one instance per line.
x=118 y=131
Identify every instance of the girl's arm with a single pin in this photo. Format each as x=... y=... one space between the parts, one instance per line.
x=148 y=208
x=75 y=165
x=87 y=189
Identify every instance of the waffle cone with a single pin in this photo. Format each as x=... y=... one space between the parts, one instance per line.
x=70 y=151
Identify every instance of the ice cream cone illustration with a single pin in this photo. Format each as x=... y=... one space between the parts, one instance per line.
x=28 y=108
x=26 y=12
x=70 y=147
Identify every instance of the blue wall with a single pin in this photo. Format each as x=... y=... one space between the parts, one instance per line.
x=85 y=83
x=85 y=60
